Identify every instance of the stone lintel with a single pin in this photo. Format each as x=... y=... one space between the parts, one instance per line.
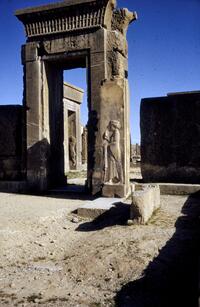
x=66 y=16
x=73 y=93
x=51 y=7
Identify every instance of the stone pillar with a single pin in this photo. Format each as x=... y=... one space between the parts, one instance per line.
x=96 y=74
x=84 y=146
x=44 y=120
x=36 y=145
x=115 y=129
x=66 y=139
x=78 y=138
x=115 y=138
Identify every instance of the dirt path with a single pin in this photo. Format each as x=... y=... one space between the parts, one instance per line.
x=47 y=260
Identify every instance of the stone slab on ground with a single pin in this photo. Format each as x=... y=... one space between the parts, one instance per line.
x=174 y=188
x=95 y=208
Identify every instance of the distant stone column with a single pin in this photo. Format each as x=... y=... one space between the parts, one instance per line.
x=84 y=146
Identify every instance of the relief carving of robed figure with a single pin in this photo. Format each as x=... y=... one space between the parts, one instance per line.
x=113 y=173
x=72 y=150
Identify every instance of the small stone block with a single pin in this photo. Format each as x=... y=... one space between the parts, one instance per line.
x=144 y=203
x=97 y=207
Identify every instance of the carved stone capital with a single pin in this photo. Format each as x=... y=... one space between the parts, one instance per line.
x=121 y=20
x=30 y=52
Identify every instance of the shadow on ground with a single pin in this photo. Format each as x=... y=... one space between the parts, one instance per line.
x=171 y=279
x=71 y=191
x=117 y=215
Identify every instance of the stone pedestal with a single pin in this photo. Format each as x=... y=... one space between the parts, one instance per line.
x=114 y=190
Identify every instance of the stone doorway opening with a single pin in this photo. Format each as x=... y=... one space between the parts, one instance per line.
x=75 y=102
x=62 y=119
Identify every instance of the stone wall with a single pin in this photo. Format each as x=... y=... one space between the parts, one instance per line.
x=170 y=138
x=11 y=142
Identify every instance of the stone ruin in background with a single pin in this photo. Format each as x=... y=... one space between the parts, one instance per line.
x=72 y=99
x=170 y=134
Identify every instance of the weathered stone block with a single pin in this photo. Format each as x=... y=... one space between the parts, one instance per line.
x=11 y=142
x=31 y=52
x=170 y=134
x=144 y=203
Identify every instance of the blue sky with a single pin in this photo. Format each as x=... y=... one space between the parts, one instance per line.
x=164 y=51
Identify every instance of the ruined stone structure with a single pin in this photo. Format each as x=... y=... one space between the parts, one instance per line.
x=73 y=97
x=135 y=150
x=170 y=134
x=12 y=155
x=65 y=35
x=13 y=142
x=135 y=153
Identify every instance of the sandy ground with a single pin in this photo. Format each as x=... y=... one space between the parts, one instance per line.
x=48 y=258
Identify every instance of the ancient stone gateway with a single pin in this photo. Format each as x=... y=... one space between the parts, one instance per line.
x=66 y=35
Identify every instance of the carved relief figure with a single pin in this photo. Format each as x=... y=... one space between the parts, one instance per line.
x=72 y=150
x=112 y=154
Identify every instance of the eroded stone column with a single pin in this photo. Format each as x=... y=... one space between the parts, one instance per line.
x=37 y=146
x=115 y=127
x=97 y=73
x=44 y=120
x=84 y=146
